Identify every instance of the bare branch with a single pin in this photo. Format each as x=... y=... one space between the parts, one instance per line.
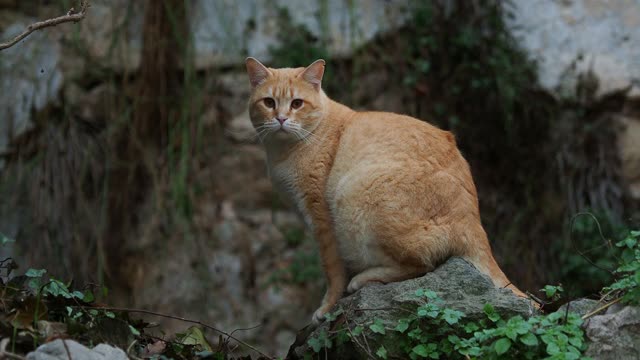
x=71 y=16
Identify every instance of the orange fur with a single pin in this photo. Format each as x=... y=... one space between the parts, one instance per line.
x=387 y=197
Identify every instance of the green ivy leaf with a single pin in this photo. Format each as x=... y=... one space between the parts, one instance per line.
x=35 y=273
x=402 y=326
x=550 y=290
x=377 y=327
x=134 y=331
x=88 y=296
x=357 y=330
x=333 y=315
x=452 y=316
x=553 y=348
x=529 y=339
x=502 y=346
x=491 y=313
x=421 y=350
x=630 y=242
x=315 y=344
x=430 y=294
x=342 y=336
x=382 y=352
x=471 y=327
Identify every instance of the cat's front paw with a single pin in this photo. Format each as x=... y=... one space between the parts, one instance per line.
x=354 y=285
x=318 y=316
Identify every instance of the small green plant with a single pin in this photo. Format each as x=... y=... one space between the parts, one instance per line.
x=54 y=287
x=434 y=331
x=628 y=284
x=553 y=292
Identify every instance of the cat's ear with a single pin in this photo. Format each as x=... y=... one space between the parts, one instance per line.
x=313 y=73
x=258 y=73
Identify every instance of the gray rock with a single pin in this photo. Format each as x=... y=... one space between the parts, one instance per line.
x=580 y=306
x=30 y=79
x=112 y=33
x=56 y=350
x=457 y=282
x=569 y=38
x=614 y=336
x=223 y=31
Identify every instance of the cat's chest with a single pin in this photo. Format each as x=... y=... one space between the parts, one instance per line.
x=286 y=181
x=285 y=178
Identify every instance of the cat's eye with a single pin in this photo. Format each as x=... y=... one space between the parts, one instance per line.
x=270 y=103
x=296 y=103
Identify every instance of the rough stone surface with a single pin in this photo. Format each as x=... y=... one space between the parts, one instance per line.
x=614 y=336
x=572 y=37
x=457 y=282
x=225 y=31
x=112 y=33
x=30 y=79
x=580 y=306
x=56 y=350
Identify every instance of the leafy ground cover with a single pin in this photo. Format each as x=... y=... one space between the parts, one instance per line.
x=36 y=308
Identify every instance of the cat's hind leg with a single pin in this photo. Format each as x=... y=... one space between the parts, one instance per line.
x=384 y=274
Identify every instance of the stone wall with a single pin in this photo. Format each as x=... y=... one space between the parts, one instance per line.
x=572 y=38
x=224 y=273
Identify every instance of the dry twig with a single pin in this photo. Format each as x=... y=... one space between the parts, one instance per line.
x=603 y=307
x=71 y=16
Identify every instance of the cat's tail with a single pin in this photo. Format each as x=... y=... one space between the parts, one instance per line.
x=486 y=264
x=480 y=255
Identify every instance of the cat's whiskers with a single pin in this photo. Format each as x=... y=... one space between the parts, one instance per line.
x=308 y=137
x=266 y=128
x=260 y=130
x=303 y=134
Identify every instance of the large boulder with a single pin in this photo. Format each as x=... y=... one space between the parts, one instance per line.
x=458 y=283
x=614 y=335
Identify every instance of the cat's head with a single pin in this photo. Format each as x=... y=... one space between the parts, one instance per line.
x=286 y=104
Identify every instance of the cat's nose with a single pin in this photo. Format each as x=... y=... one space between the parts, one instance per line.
x=281 y=119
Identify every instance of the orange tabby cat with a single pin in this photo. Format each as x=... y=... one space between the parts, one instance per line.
x=387 y=197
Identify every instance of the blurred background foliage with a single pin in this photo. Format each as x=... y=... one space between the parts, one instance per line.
x=135 y=165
